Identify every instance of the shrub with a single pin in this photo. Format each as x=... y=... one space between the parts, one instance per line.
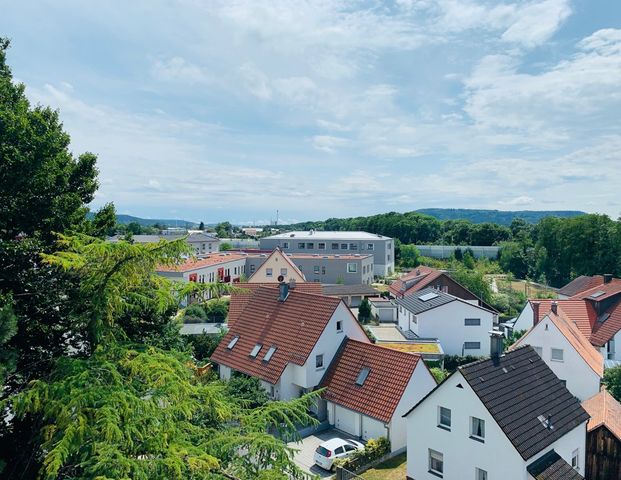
x=364 y=311
x=451 y=362
x=439 y=374
x=374 y=449
x=612 y=381
x=247 y=391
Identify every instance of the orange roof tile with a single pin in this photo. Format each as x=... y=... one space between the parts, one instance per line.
x=196 y=263
x=581 y=312
x=292 y=326
x=379 y=395
x=414 y=281
x=239 y=300
x=608 y=326
x=604 y=410
x=609 y=290
x=580 y=284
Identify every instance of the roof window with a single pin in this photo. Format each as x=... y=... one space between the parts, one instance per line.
x=269 y=354
x=428 y=296
x=597 y=294
x=362 y=376
x=255 y=351
x=232 y=342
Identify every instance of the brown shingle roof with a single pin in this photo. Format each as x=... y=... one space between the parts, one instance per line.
x=551 y=466
x=580 y=284
x=292 y=326
x=414 y=281
x=379 y=395
x=239 y=300
x=604 y=410
x=609 y=290
x=608 y=326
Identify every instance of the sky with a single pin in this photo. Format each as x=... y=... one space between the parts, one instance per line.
x=232 y=110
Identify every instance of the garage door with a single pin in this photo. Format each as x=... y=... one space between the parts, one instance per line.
x=371 y=428
x=356 y=300
x=346 y=420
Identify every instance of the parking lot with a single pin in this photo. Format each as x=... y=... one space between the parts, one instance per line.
x=305 y=457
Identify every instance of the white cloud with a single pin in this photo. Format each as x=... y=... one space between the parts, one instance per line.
x=178 y=68
x=537 y=21
x=328 y=143
x=255 y=81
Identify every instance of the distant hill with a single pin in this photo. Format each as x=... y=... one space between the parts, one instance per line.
x=147 y=222
x=495 y=216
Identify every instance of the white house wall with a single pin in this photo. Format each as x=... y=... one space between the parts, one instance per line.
x=581 y=380
x=447 y=324
x=525 y=318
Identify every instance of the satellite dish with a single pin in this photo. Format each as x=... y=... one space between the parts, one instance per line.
x=281 y=278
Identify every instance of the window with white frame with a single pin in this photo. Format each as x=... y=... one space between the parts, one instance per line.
x=301 y=245
x=252 y=267
x=310 y=246
x=477 y=428
x=268 y=272
x=343 y=246
x=352 y=267
x=370 y=246
x=557 y=354
x=321 y=245
x=480 y=474
x=316 y=269
x=472 y=322
x=283 y=271
x=575 y=459
x=319 y=361
x=444 y=418
x=339 y=325
x=539 y=351
x=436 y=462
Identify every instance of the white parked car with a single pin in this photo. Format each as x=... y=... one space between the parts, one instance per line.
x=335 y=448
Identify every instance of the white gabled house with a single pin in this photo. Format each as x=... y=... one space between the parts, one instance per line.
x=567 y=352
x=461 y=326
x=508 y=417
x=287 y=339
x=369 y=388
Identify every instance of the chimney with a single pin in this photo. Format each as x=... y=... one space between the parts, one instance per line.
x=549 y=422
x=554 y=308
x=535 y=306
x=607 y=277
x=417 y=272
x=292 y=284
x=283 y=291
x=496 y=343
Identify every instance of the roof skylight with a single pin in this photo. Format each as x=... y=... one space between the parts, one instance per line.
x=428 y=296
x=362 y=376
x=597 y=294
x=232 y=342
x=269 y=354
x=255 y=351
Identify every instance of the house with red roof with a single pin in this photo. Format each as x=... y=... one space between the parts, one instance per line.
x=287 y=338
x=369 y=388
x=426 y=277
x=596 y=312
x=603 y=446
x=567 y=351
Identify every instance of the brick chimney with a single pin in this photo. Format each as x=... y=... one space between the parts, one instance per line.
x=607 y=277
x=535 y=306
x=554 y=308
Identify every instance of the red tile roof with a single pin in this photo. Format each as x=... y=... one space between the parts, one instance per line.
x=414 y=281
x=581 y=312
x=292 y=326
x=195 y=264
x=378 y=397
x=604 y=410
x=239 y=300
x=604 y=330
x=580 y=284
x=609 y=290
x=575 y=337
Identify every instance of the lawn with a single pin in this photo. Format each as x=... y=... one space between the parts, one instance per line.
x=393 y=469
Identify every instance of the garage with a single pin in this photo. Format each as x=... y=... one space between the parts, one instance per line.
x=347 y=420
x=356 y=300
x=372 y=428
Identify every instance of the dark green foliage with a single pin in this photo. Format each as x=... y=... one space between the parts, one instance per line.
x=612 y=381
x=473 y=280
x=8 y=328
x=247 y=391
x=212 y=311
x=224 y=246
x=408 y=256
x=495 y=216
x=201 y=226
x=103 y=222
x=451 y=362
x=364 y=311
x=204 y=345
x=514 y=337
x=439 y=374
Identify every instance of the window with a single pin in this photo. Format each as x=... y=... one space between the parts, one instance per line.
x=321 y=246
x=575 y=459
x=353 y=246
x=362 y=376
x=316 y=269
x=339 y=451
x=480 y=474
x=256 y=349
x=232 y=342
x=268 y=272
x=472 y=345
x=252 y=267
x=444 y=418
x=269 y=354
x=557 y=354
x=323 y=270
x=388 y=257
x=352 y=267
x=310 y=246
x=539 y=351
x=477 y=428
x=301 y=245
x=319 y=361
x=285 y=245
x=349 y=448
x=343 y=246
x=472 y=322
x=339 y=325
x=370 y=246
x=335 y=246
x=272 y=391
x=283 y=271
x=436 y=463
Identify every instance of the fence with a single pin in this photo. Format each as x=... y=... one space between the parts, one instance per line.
x=445 y=251
x=344 y=474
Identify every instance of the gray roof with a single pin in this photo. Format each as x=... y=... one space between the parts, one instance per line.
x=334 y=235
x=552 y=467
x=338 y=290
x=414 y=304
x=198 y=328
x=518 y=389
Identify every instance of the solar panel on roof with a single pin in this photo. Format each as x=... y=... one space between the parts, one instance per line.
x=428 y=296
x=597 y=294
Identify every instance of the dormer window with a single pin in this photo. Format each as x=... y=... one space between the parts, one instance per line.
x=269 y=354
x=362 y=376
x=232 y=342
x=255 y=351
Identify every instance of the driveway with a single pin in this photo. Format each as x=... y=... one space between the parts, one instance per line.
x=305 y=457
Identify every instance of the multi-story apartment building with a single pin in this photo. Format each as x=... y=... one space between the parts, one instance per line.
x=339 y=243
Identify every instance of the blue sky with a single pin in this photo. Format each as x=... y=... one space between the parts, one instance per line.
x=213 y=110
